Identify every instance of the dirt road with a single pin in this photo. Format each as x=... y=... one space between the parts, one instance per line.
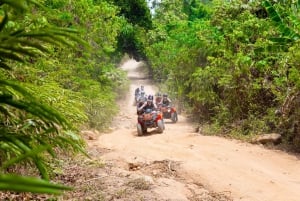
x=237 y=170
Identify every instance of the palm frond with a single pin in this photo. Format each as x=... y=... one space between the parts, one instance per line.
x=4 y=65
x=273 y=14
x=25 y=152
x=29 y=184
x=4 y=21
x=286 y=32
x=30 y=105
x=29 y=128
x=20 y=4
x=4 y=55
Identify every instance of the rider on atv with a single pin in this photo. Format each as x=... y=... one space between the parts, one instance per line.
x=165 y=100
x=138 y=91
x=142 y=97
x=149 y=104
x=168 y=111
x=149 y=117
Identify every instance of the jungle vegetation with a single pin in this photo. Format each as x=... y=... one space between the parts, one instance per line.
x=233 y=65
x=58 y=75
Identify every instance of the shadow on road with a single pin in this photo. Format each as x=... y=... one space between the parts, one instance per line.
x=169 y=122
x=150 y=133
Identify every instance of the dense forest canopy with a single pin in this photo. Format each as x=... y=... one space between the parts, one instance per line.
x=234 y=65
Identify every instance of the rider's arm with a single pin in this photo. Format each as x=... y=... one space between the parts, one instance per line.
x=155 y=106
x=140 y=108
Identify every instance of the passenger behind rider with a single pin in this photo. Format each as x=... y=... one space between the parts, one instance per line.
x=139 y=90
x=165 y=101
x=158 y=98
x=141 y=99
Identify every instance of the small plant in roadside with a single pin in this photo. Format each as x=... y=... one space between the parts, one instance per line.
x=139 y=184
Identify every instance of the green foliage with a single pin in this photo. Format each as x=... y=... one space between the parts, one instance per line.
x=100 y=110
x=137 y=20
x=29 y=184
x=195 y=10
x=287 y=34
x=87 y=78
x=234 y=62
x=78 y=83
x=135 y=11
x=29 y=127
x=43 y=81
x=70 y=104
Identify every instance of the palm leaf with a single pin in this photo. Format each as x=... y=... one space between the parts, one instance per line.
x=21 y=4
x=76 y=146
x=16 y=32
x=33 y=44
x=11 y=56
x=29 y=184
x=39 y=110
x=4 y=21
x=272 y=12
x=286 y=31
x=282 y=40
x=31 y=105
x=24 y=150
x=4 y=65
x=19 y=50
x=4 y=110
x=49 y=35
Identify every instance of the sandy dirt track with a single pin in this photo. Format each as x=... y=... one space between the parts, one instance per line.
x=241 y=171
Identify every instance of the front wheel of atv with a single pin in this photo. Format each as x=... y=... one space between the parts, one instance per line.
x=174 y=117
x=160 y=125
x=139 y=129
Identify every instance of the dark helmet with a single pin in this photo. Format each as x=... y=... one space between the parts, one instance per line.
x=150 y=98
x=158 y=94
x=165 y=95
